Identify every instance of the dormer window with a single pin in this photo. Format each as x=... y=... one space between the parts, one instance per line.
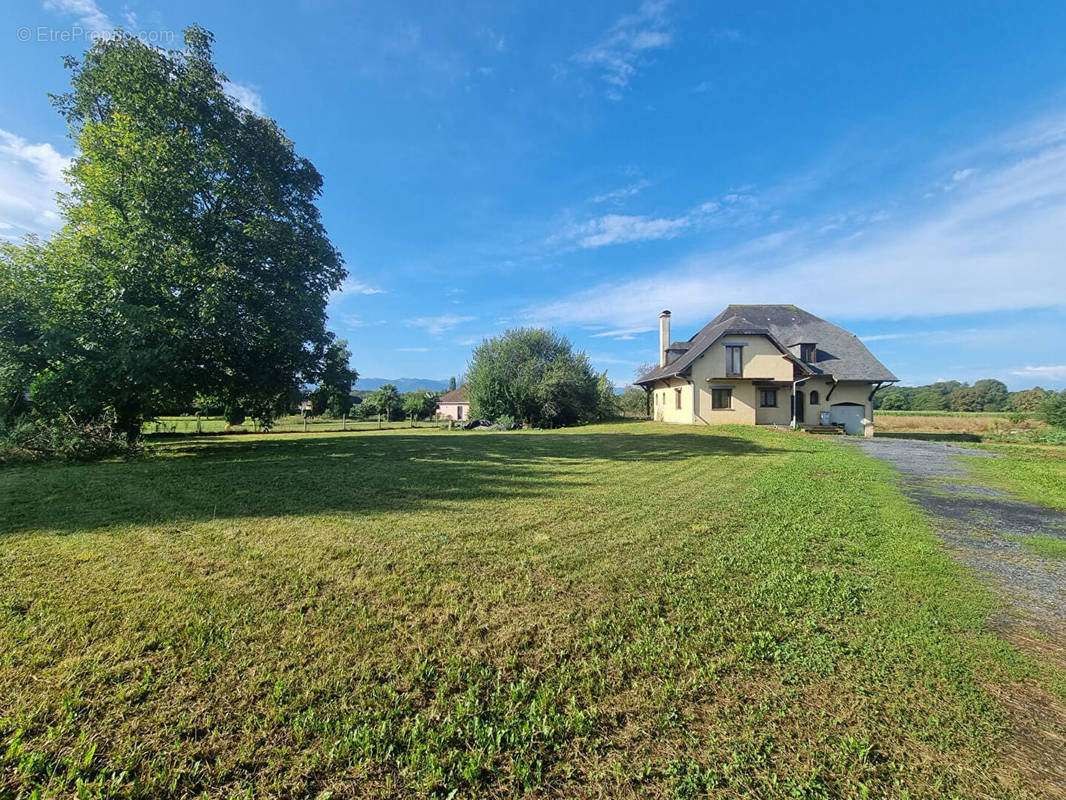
x=808 y=352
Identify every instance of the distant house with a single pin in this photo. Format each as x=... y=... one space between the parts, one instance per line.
x=766 y=365
x=454 y=404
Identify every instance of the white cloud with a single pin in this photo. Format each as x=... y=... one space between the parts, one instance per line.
x=622 y=334
x=440 y=323
x=353 y=286
x=624 y=47
x=247 y=96
x=621 y=228
x=882 y=337
x=962 y=174
x=995 y=243
x=30 y=176
x=86 y=11
x=622 y=193
x=412 y=349
x=1050 y=373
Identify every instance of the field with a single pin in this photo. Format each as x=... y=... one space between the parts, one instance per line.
x=611 y=611
x=959 y=425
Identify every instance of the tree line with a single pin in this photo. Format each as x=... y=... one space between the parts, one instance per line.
x=988 y=394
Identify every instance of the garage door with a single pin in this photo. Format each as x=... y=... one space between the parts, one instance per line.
x=847 y=414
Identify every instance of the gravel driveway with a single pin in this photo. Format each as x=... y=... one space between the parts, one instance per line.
x=980 y=524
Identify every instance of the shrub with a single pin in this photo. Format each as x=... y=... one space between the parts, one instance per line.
x=234 y=415
x=63 y=437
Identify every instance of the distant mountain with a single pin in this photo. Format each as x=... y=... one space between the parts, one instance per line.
x=403 y=384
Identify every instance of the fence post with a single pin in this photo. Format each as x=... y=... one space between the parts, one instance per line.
x=344 y=422
x=305 y=422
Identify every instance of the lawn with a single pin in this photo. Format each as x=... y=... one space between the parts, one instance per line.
x=1036 y=473
x=619 y=610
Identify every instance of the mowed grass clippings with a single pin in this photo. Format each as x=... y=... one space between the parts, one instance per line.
x=618 y=610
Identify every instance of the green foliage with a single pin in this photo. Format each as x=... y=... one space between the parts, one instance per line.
x=987 y=394
x=192 y=259
x=607 y=407
x=451 y=384
x=1054 y=409
x=633 y=402
x=1030 y=400
x=896 y=402
x=532 y=375
x=333 y=395
x=234 y=414
x=386 y=401
x=420 y=404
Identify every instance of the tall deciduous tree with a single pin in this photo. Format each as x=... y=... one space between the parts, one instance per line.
x=534 y=376
x=193 y=258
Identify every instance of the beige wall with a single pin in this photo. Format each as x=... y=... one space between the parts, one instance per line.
x=762 y=360
x=846 y=392
x=664 y=401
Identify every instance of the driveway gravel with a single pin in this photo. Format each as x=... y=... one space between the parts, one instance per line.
x=981 y=525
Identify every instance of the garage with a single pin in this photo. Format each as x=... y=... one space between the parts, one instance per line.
x=849 y=415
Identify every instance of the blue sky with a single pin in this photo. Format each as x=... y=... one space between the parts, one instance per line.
x=899 y=168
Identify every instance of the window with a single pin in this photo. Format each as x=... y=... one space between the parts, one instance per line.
x=721 y=398
x=677 y=399
x=808 y=353
x=734 y=361
x=768 y=398
x=458 y=412
x=813 y=398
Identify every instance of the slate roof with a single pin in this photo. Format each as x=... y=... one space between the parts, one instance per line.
x=840 y=354
x=460 y=395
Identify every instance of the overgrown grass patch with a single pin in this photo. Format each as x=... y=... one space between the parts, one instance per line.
x=617 y=610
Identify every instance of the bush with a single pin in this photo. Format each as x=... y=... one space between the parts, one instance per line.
x=1054 y=411
x=63 y=438
x=234 y=415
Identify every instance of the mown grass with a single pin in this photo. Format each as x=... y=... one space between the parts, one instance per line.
x=621 y=610
x=1044 y=546
x=1036 y=473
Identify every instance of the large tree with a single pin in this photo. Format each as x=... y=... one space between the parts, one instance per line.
x=532 y=375
x=333 y=395
x=193 y=258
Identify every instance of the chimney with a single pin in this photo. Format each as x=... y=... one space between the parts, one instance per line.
x=664 y=336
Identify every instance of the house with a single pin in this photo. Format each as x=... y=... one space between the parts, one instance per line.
x=766 y=365
x=454 y=404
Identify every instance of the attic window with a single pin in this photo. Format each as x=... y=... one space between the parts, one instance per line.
x=808 y=353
